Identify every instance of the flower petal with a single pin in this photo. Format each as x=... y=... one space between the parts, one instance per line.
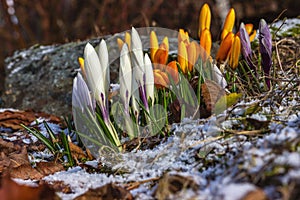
x=182 y=57
x=125 y=76
x=153 y=44
x=235 y=53
x=204 y=19
x=205 y=43
x=103 y=58
x=229 y=23
x=149 y=82
x=225 y=47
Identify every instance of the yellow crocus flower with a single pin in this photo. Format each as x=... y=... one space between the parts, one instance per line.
x=205 y=43
x=153 y=45
x=183 y=57
x=229 y=23
x=204 y=19
x=234 y=53
x=127 y=40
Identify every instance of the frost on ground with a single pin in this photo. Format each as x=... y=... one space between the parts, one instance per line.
x=228 y=156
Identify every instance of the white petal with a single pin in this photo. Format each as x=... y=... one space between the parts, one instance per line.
x=218 y=77
x=94 y=73
x=103 y=58
x=81 y=97
x=125 y=74
x=149 y=78
x=137 y=56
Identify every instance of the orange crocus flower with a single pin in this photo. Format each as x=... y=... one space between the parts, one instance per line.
x=162 y=77
x=225 y=46
x=161 y=55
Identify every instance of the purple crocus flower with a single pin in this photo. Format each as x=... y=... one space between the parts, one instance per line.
x=265 y=47
x=246 y=47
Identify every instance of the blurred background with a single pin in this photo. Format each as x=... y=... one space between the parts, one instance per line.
x=24 y=23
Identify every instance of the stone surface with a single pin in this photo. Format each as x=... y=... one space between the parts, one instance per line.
x=41 y=77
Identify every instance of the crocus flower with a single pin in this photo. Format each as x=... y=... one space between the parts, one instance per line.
x=235 y=52
x=83 y=110
x=125 y=77
x=224 y=48
x=250 y=31
x=81 y=97
x=153 y=44
x=246 y=46
x=229 y=23
x=142 y=65
x=81 y=64
x=104 y=62
x=162 y=77
x=161 y=54
x=96 y=77
x=204 y=19
x=183 y=57
x=265 y=48
x=127 y=40
x=188 y=52
x=205 y=44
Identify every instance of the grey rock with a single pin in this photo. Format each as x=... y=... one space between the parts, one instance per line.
x=41 y=77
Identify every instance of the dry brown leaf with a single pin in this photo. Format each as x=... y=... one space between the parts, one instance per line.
x=10 y=190
x=255 y=195
x=171 y=184
x=25 y=172
x=211 y=92
x=47 y=168
x=13 y=119
x=106 y=192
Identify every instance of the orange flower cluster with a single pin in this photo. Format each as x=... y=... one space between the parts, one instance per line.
x=159 y=56
x=230 y=46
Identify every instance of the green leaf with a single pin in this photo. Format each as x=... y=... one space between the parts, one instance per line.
x=226 y=101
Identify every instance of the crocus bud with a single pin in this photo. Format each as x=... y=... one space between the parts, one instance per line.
x=229 y=23
x=246 y=46
x=265 y=48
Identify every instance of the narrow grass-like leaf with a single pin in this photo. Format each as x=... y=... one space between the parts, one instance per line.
x=41 y=137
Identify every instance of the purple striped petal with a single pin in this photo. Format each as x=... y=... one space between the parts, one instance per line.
x=265 y=47
x=246 y=47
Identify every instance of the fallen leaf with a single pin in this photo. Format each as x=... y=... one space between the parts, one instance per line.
x=10 y=190
x=14 y=119
x=25 y=172
x=211 y=93
x=257 y=194
x=106 y=192
x=226 y=101
x=47 y=168
x=171 y=184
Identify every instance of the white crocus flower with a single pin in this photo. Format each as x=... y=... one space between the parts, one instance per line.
x=81 y=97
x=149 y=82
x=103 y=58
x=94 y=74
x=125 y=76
x=218 y=77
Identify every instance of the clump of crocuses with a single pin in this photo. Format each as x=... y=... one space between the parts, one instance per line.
x=265 y=49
